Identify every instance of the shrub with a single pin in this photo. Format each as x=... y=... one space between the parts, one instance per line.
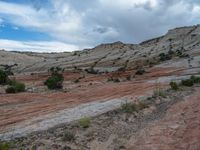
x=184 y=56
x=116 y=80
x=140 y=72
x=164 y=57
x=142 y=105
x=3 y=77
x=56 y=79
x=122 y=69
x=4 y=146
x=85 y=122
x=195 y=79
x=15 y=87
x=179 y=53
x=20 y=87
x=159 y=93
x=68 y=136
x=187 y=82
x=10 y=90
x=76 y=81
x=56 y=70
x=174 y=85
x=128 y=107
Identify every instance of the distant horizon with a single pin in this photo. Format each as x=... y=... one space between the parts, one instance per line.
x=69 y=51
x=66 y=26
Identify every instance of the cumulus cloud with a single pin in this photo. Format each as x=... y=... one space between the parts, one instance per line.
x=91 y=22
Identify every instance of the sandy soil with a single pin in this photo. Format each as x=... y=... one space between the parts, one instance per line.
x=170 y=122
x=178 y=129
x=16 y=109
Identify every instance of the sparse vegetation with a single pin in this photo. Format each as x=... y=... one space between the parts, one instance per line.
x=122 y=69
x=180 y=54
x=15 y=87
x=4 y=146
x=55 y=81
x=68 y=136
x=174 y=85
x=116 y=80
x=3 y=77
x=170 y=54
x=85 y=122
x=142 y=105
x=140 y=72
x=159 y=93
x=128 y=107
x=164 y=57
x=195 y=79
x=187 y=82
x=191 y=81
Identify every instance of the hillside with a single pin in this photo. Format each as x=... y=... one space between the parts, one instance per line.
x=97 y=82
x=108 y=57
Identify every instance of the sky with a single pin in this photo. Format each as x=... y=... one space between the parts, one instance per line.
x=68 y=25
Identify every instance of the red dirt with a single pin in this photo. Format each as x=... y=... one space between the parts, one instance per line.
x=15 y=108
x=179 y=129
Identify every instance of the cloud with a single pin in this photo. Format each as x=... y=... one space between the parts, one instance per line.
x=1 y=21
x=91 y=22
x=42 y=46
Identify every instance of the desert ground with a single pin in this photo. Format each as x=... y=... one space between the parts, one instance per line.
x=39 y=118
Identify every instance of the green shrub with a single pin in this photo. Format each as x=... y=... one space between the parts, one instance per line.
x=20 y=87
x=68 y=136
x=10 y=90
x=159 y=93
x=15 y=87
x=174 y=85
x=195 y=79
x=129 y=107
x=179 y=52
x=164 y=57
x=187 y=82
x=4 y=146
x=56 y=70
x=3 y=77
x=54 y=81
x=85 y=122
